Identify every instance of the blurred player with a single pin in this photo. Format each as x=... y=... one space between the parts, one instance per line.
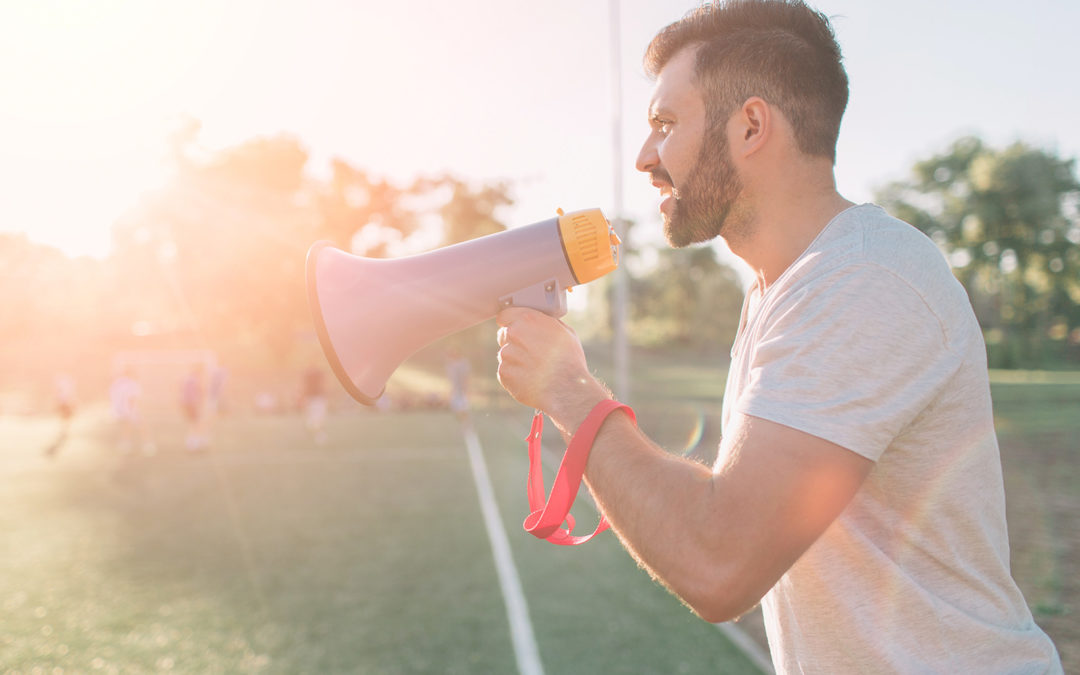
x=313 y=399
x=65 y=409
x=124 y=395
x=193 y=402
x=457 y=371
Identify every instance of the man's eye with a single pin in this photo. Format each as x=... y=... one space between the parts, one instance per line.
x=661 y=126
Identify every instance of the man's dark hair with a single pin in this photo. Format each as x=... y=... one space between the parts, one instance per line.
x=780 y=50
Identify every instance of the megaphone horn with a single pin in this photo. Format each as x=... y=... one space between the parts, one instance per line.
x=372 y=314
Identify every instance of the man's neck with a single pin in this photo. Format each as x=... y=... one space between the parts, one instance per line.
x=783 y=223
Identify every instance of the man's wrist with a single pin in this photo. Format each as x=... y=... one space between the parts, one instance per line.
x=571 y=408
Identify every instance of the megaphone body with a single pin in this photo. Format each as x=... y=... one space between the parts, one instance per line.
x=371 y=314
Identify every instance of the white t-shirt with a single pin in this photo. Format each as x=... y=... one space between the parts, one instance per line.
x=869 y=342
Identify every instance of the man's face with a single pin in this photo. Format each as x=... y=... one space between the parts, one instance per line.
x=688 y=161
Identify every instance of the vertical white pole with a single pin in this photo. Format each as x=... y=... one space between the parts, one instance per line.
x=620 y=299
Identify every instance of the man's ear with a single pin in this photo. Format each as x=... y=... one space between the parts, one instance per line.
x=754 y=122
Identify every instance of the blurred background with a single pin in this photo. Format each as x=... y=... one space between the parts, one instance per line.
x=164 y=168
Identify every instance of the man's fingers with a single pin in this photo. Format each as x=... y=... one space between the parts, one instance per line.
x=509 y=315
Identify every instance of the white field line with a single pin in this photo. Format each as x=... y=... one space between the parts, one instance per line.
x=747 y=645
x=738 y=637
x=517 y=611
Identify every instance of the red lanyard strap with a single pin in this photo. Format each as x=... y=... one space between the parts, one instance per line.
x=546 y=519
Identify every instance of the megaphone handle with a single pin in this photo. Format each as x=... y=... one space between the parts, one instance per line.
x=546 y=519
x=547 y=296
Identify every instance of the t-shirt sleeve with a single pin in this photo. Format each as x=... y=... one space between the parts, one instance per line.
x=852 y=359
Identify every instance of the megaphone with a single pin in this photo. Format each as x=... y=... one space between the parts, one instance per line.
x=372 y=314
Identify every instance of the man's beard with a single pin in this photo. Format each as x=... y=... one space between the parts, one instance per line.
x=704 y=205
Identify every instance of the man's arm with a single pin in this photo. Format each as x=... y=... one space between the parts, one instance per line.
x=718 y=538
x=721 y=538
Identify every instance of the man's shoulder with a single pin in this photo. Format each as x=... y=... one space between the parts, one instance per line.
x=864 y=246
x=866 y=237
x=867 y=233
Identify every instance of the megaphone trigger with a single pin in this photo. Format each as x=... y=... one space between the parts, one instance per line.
x=548 y=297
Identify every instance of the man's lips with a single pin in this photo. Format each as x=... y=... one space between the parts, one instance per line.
x=667 y=191
x=665 y=188
x=662 y=183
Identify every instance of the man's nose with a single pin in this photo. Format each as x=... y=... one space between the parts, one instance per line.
x=647 y=158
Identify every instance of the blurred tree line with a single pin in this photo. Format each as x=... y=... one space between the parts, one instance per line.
x=215 y=260
x=680 y=298
x=1009 y=222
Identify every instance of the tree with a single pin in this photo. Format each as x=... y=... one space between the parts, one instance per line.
x=54 y=309
x=217 y=255
x=215 y=258
x=470 y=213
x=1007 y=221
x=353 y=203
x=689 y=299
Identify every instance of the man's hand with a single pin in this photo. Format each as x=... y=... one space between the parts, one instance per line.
x=542 y=365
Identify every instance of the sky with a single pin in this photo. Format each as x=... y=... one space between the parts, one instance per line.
x=484 y=89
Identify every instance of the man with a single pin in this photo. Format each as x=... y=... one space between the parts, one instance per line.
x=65 y=408
x=458 y=371
x=125 y=394
x=313 y=398
x=857 y=493
x=193 y=402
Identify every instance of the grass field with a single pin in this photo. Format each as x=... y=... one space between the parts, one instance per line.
x=1038 y=422
x=270 y=554
x=369 y=555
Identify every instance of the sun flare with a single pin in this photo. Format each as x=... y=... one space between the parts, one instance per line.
x=96 y=88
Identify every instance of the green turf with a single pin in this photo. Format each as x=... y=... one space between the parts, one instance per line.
x=266 y=557
x=270 y=554
x=1038 y=420
x=593 y=609
x=369 y=554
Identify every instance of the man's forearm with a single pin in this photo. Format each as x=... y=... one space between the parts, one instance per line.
x=662 y=507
